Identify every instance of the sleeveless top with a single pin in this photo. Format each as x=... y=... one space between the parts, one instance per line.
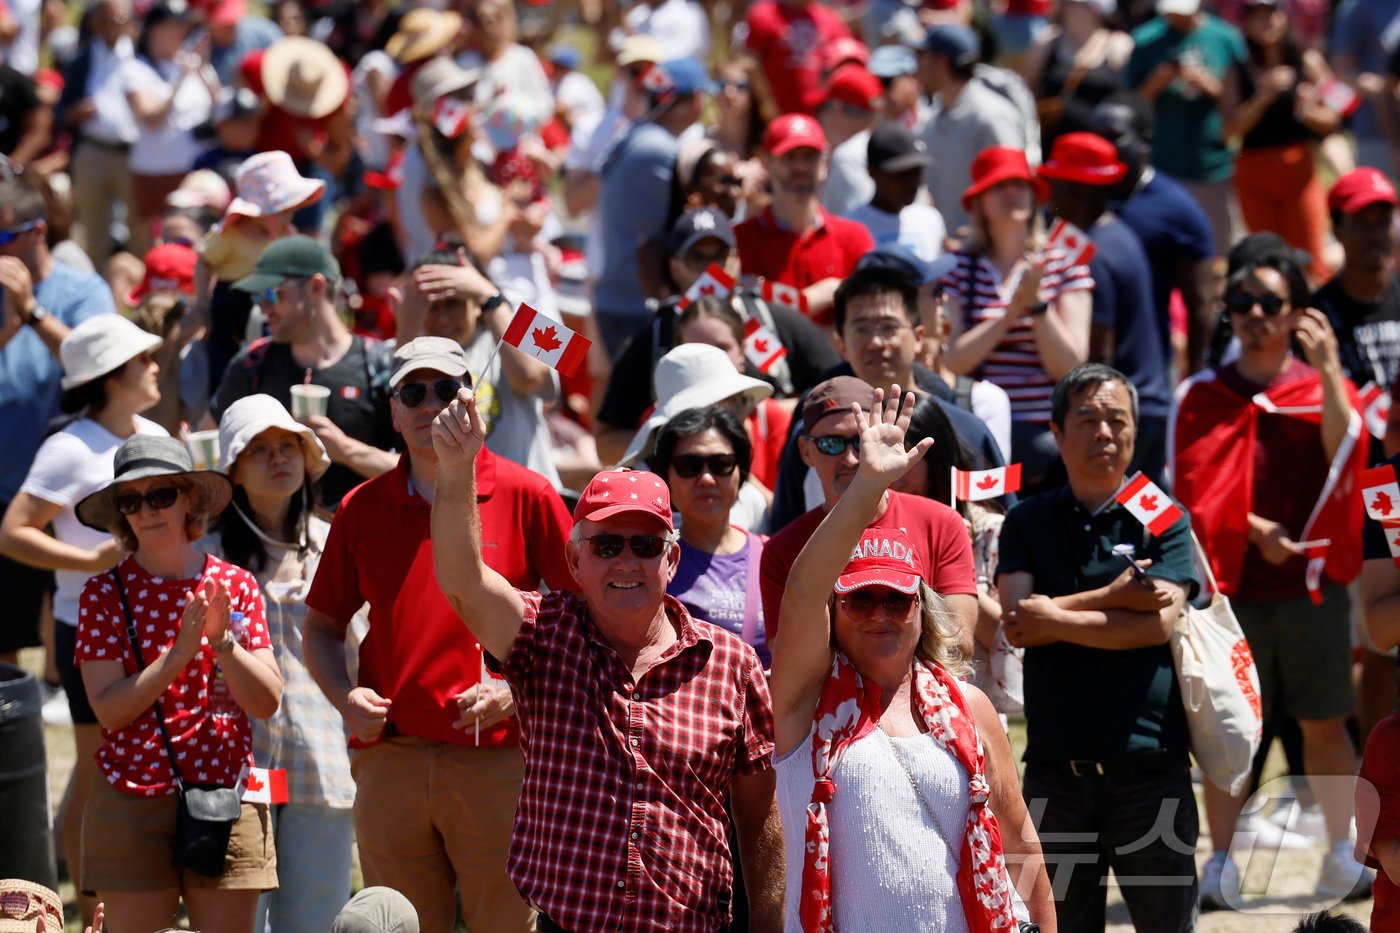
x=1278 y=126
x=1096 y=84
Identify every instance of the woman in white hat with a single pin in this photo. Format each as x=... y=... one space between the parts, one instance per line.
x=174 y=653
x=271 y=530
x=110 y=377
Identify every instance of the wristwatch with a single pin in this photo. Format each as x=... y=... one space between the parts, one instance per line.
x=1037 y=309
x=36 y=315
x=492 y=303
x=226 y=644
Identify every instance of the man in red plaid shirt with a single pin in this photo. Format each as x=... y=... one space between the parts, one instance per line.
x=636 y=720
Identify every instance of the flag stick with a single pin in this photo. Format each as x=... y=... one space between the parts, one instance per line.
x=487 y=368
x=953 y=489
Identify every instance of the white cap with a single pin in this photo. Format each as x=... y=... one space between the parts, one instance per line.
x=692 y=375
x=98 y=346
x=1178 y=7
x=251 y=415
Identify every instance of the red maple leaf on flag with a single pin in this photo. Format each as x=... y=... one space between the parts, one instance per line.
x=760 y=345
x=1382 y=503
x=253 y=782
x=545 y=338
x=1149 y=503
x=707 y=289
x=987 y=482
x=1397 y=542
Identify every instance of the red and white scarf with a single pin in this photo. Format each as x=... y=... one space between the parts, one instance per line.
x=848 y=710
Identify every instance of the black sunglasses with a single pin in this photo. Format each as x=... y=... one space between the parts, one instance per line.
x=412 y=394
x=1243 y=303
x=608 y=546
x=863 y=602
x=689 y=466
x=834 y=445
x=162 y=497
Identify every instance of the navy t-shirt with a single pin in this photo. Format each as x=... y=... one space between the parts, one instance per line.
x=1172 y=229
x=1123 y=302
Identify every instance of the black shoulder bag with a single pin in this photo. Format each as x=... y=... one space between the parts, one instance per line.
x=207 y=813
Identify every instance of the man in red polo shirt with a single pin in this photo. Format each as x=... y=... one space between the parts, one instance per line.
x=641 y=719
x=437 y=763
x=795 y=240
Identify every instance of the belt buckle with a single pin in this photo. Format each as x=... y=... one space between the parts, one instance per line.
x=1082 y=768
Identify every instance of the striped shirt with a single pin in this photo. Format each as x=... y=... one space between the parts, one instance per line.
x=1014 y=364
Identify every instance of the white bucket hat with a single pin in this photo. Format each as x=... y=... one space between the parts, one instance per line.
x=692 y=375
x=251 y=415
x=100 y=345
x=269 y=182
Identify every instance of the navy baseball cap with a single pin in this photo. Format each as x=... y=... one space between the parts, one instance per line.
x=700 y=224
x=897 y=257
x=957 y=42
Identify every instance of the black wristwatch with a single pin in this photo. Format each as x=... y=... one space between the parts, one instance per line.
x=1038 y=309
x=492 y=303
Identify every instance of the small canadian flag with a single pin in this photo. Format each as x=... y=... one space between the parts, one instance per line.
x=976 y=485
x=657 y=80
x=1375 y=408
x=546 y=339
x=778 y=293
x=1077 y=246
x=1336 y=95
x=761 y=345
x=1381 y=493
x=450 y=116
x=1392 y=540
x=266 y=785
x=1149 y=504
x=713 y=283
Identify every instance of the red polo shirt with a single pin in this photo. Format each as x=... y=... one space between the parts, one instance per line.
x=418 y=653
x=830 y=249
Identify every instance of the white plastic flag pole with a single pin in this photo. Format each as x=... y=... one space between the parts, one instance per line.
x=953 y=489
x=495 y=349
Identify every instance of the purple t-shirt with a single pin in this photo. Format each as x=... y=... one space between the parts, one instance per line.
x=715 y=587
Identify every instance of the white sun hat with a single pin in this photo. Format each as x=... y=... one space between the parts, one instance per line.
x=98 y=346
x=251 y=415
x=692 y=375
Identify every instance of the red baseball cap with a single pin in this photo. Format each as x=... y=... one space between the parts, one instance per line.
x=1085 y=158
x=852 y=84
x=793 y=131
x=225 y=12
x=617 y=492
x=997 y=164
x=169 y=267
x=840 y=52
x=884 y=557
x=1359 y=189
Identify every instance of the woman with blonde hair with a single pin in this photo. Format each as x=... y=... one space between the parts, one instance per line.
x=1020 y=311
x=895 y=780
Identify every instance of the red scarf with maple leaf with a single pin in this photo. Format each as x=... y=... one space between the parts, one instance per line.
x=849 y=709
x=1212 y=437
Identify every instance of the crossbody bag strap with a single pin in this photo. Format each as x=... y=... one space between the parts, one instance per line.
x=1205 y=564
x=131 y=636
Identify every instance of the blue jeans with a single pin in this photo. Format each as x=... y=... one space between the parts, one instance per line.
x=313 y=869
x=1140 y=822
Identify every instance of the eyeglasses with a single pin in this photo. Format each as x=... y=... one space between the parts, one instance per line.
x=608 y=546
x=9 y=236
x=834 y=445
x=887 y=331
x=1243 y=303
x=863 y=603
x=162 y=497
x=689 y=466
x=412 y=394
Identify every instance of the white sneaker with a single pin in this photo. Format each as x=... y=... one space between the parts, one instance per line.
x=1343 y=876
x=1266 y=834
x=55 y=712
x=1217 y=877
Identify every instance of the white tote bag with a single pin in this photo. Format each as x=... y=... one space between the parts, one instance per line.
x=1219 y=687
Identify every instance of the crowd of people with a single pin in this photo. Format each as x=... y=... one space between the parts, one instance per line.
x=621 y=465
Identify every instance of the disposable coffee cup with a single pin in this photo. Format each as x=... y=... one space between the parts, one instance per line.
x=204 y=449
x=308 y=400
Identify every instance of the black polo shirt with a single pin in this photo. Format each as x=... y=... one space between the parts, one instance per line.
x=1094 y=703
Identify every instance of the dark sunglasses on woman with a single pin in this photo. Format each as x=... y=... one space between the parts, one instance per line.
x=863 y=602
x=608 y=546
x=689 y=466
x=412 y=394
x=162 y=497
x=1244 y=302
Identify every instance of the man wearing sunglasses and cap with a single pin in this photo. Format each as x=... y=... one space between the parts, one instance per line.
x=641 y=719
x=435 y=750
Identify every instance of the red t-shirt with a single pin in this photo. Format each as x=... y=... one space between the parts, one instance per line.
x=831 y=249
x=209 y=748
x=786 y=39
x=278 y=128
x=768 y=429
x=934 y=528
x=1378 y=815
x=418 y=652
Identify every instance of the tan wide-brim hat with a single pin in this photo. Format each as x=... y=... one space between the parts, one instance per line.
x=304 y=78
x=423 y=32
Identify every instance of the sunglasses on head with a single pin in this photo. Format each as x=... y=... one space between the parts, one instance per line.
x=863 y=602
x=161 y=497
x=834 y=445
x=608 y=546
x=9 y=236
x=412 y=394
x=1244 y=302
x=689 y=466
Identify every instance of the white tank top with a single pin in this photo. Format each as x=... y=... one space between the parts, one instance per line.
x=891 y=869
